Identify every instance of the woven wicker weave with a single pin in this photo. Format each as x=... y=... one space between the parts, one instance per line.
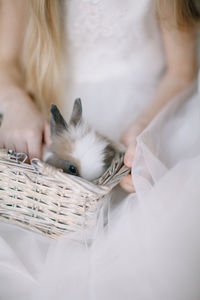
x=48 y=201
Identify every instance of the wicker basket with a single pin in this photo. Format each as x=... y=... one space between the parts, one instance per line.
x=44 y=199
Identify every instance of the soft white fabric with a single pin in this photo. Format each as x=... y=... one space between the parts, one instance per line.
x=114 y=60
x=150 y=248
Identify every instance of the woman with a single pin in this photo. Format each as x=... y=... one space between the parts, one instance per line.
x=127 y=70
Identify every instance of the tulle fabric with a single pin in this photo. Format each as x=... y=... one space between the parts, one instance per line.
x=150 y=247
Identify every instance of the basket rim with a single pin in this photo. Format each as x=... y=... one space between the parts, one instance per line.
x=41 y=168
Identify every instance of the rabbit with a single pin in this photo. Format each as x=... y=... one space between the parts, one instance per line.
x=76 y=148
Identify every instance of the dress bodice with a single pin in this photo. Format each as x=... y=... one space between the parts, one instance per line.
x=112 y=38
x=114 y=58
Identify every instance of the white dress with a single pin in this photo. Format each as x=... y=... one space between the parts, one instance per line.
x=150 y=248
x=115 y=58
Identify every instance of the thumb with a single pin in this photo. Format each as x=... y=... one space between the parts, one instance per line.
x=47 y=134
x=129 y=155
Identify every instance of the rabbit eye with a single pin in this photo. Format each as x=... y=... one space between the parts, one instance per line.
x=73 y=170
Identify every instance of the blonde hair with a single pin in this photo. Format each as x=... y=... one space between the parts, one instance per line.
x=43 y=48
x=183 y=13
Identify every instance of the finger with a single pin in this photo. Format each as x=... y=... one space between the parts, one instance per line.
x=127 y=184
x=8 y=145
x=13 y=142
x=35 y=147
x=20 y=147
x=127 y=180
x=16 y=147
x=11 y=147
x=47 y=134
x=129 y=155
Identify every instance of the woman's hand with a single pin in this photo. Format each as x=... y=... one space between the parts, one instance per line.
x=129 y=140
x=23 y=127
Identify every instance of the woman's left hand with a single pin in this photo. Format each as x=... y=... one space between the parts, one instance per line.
x=128 y=138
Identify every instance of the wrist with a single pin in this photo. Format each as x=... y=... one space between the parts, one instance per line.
x=10 y=75
x=139 y=124
x=135 y=128
x=9 y=96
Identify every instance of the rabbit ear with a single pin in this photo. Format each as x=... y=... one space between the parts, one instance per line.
x=1 y=118
x=76 y=112
x=57 y=122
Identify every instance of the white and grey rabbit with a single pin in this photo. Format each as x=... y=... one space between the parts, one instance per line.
x=76 y=148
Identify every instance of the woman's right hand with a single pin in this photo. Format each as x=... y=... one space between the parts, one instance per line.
x=23 y=127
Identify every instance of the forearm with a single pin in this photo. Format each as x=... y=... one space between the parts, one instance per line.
x=169 y=86
x=11 y=85
x=12 y=25
x=10 y=74
x=181 y=68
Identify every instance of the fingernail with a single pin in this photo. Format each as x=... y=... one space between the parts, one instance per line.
x=128 y=161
